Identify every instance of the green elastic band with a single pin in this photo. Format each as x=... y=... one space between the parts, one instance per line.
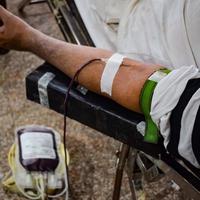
x=151 y=130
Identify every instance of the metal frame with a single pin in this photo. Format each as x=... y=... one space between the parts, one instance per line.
x=24 y=3
x=121 y=162
x=127 y=159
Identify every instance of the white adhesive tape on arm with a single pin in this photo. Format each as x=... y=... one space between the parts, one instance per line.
x=109 y=72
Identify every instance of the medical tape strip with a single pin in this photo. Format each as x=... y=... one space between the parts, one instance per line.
x=110 y=71
x=157 y=76
x=42 y=88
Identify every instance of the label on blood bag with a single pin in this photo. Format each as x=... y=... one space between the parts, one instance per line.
x=36 y=145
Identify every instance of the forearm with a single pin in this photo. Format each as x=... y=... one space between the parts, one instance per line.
x=68 y=58
x=65 y=56
x=128 y=82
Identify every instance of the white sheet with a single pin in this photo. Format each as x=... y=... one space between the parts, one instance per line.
x=96 y=14
x=157 y=31
x=162 y=31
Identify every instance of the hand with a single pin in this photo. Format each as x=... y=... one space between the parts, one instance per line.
x=14 y=33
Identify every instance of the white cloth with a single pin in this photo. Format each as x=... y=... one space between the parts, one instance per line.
x=166 y=96
x=157 y=31
x=161 y=31
x=96 y=15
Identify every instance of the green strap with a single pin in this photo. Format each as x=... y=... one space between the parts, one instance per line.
x=151 y=130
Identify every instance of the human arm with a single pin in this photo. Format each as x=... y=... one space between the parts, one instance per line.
x=16 y=34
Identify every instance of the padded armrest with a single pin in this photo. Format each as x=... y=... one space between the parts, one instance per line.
x=104 y=115
x=93 y=110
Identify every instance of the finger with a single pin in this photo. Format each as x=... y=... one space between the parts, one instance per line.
x=2 y=29
x=4 y=13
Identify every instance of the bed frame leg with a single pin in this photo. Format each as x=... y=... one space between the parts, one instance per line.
x=130 y=170
x=122 y=158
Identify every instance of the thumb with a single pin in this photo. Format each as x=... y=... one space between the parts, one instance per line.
x=2 y=29
x=3 y=13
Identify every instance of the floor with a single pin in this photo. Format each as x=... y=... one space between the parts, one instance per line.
x=93 y=160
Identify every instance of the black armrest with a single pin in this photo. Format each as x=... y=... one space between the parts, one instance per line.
x=94 y=110
x=104 y=115
x=91 y=109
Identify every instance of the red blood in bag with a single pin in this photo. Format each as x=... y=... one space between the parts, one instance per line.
x=37 y=149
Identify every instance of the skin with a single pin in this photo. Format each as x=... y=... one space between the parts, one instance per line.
x=128 y=83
